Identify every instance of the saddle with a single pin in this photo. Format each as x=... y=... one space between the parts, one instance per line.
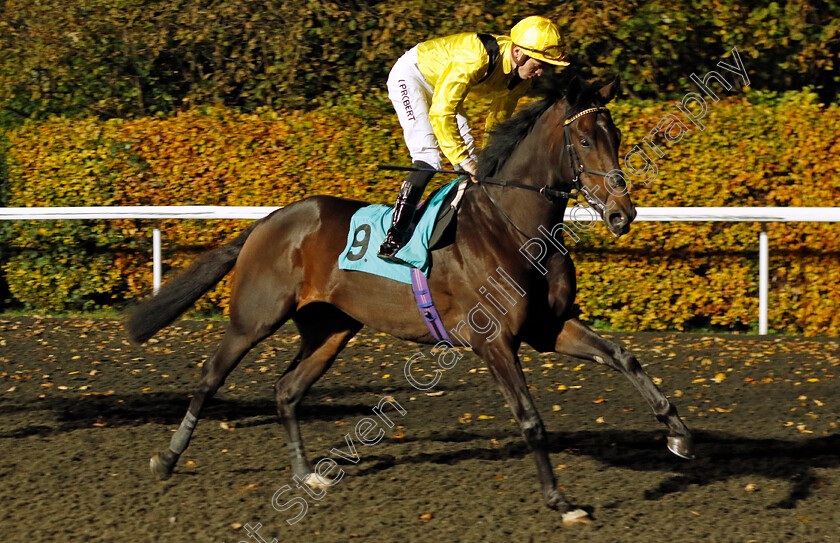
x=445 y=222
x=433 y=226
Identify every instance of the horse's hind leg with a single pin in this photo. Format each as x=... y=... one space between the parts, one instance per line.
x=578 y=340
x=252 y=320
x=232 y=349
x=213 y=374
x=324 y=331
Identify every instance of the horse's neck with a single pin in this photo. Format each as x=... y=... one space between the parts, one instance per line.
x=521 y=216
x=528 y=164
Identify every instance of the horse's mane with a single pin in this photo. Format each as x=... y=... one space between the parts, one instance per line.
x=509 y=134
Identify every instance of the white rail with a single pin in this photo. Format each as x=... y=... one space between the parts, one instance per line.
x=702 y=214
x=683 y=214
x=136 y=212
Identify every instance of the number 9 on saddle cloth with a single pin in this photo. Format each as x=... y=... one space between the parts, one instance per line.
x=432 y=226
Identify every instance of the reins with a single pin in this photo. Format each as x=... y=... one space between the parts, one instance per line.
x=548 y=192
x=501 y=210
x=552 y=194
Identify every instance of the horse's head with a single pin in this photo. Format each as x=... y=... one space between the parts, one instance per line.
x=565 y=141
x=584 y=149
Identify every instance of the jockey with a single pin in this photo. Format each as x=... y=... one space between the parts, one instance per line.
x=428 y=85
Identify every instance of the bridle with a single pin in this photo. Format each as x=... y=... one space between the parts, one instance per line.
x=575 y=164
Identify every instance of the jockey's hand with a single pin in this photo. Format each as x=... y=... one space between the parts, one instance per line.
x=471 y=168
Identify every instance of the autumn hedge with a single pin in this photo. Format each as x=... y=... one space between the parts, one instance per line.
x=124 y=58
x=756 y=150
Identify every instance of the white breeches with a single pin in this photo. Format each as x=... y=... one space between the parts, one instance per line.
x=411 y=96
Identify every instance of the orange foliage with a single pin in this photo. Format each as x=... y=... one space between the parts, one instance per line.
x=758 y=152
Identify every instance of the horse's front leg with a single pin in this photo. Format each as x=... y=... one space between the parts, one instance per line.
x=578 y=340
x=504 y=366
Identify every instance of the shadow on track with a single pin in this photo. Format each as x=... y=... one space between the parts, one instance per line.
x=720 y=456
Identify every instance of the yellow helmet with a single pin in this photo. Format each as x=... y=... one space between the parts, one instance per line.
x=540 y=37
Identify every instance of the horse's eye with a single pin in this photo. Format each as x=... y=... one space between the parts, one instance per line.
x=584 y=142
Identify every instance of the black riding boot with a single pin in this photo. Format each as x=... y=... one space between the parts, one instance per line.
x=403 y=213
x=410 y=193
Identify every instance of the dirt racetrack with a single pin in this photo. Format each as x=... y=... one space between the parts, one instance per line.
x=81 y=411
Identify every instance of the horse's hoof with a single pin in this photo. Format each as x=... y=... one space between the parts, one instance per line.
x=318 y=483
x=159 y=467
x=577 y=516
x=681 y=446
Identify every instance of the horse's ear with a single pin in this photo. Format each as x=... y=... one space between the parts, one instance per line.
x=609 y=91
x=573 y=90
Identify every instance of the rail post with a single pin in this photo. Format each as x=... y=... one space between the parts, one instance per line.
x=763 y=282
x=156 y=264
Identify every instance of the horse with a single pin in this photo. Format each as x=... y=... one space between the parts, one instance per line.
x=286 y=268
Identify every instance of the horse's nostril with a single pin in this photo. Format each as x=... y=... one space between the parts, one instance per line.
x=617 y=220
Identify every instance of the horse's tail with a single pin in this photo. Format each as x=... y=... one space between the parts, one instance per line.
x=176 y=295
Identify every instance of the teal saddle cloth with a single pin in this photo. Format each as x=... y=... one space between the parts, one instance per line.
x=368 y=227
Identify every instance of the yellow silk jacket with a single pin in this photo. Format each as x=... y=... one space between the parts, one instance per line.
x=453 y=66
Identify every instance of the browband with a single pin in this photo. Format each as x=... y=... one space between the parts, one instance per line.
x=576 y=116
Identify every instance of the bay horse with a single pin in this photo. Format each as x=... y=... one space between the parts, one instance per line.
x=286 y=268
